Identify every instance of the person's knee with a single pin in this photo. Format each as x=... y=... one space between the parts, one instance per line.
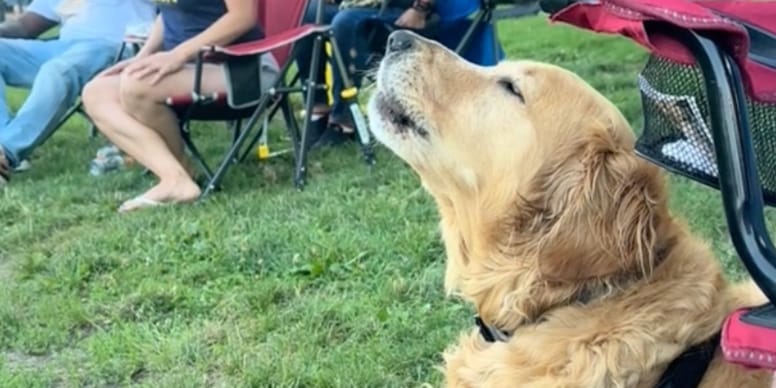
x=345 y=20
x=95 y=94
x=61 y=70
x=61 y=82
x=135 y=93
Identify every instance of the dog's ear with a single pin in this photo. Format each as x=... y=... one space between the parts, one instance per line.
x=602 y=209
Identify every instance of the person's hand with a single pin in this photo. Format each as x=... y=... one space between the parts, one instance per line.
x=155 y=66
x=117 y=68
x=412 y=19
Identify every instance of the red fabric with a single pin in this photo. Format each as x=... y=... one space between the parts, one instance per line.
x=271 y=43
x=748 y=345
x=277 y=16
x=281 y=21
x=627 y=17
x=188 y=99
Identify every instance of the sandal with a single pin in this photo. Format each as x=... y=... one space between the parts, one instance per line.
x=140 y=202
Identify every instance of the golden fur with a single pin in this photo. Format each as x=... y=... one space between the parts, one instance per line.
x=553 y=228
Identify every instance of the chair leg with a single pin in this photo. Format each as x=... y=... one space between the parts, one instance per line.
x=350 y=96
x=69 y=113
x=291 y=125
x=236 y=126
x=92 y=131
x=186 y=135
x=310 y=86
x=234 y=150
x=258 y=135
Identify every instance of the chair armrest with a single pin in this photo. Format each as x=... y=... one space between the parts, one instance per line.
x=264 y=45
x=135 y=39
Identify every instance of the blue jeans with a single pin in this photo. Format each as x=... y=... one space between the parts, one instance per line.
x=351 y=31
x=55 y=71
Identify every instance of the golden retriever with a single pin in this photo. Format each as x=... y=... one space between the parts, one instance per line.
x=554 y=229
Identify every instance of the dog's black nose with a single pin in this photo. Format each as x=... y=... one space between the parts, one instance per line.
x=400 y=41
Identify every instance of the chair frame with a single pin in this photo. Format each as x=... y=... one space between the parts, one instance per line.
x=742 y=195
x=739 y=184
x=274 y=100
x=489 y=14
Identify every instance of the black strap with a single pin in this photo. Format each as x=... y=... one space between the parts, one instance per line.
x=490 y=334
x=687 y=370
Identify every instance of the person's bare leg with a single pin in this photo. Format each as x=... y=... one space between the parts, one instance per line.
x=102 y=103
x=153 y=115
x=107 y=105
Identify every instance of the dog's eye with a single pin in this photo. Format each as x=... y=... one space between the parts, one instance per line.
x=511 y=88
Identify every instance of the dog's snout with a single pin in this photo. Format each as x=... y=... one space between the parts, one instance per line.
x=401 y=41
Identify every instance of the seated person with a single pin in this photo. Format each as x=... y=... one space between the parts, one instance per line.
x=333 y=125
x=127 y=101
x=303 y=51
x=55 y=70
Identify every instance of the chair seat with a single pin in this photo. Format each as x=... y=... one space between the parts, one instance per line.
x=216 y=110
x=268 y=44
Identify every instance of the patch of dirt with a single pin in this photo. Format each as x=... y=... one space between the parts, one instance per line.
x=5 y=270
x=21 y=361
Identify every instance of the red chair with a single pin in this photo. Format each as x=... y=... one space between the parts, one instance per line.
x=244 y=106
x=709 y=100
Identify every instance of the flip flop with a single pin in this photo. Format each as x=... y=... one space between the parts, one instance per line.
x=140 y=202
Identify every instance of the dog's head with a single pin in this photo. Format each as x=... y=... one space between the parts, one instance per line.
x=526 y=160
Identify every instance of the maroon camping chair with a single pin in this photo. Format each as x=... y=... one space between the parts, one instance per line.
x=709 y=100
x=243 y=105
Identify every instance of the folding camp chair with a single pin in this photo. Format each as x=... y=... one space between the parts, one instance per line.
x=709 y=99
x=489 y=12
x=466 y=26
x=281 y=22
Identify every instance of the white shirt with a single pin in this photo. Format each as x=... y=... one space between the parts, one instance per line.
x=95 y=19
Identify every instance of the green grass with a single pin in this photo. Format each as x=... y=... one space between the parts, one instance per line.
x=339 y=285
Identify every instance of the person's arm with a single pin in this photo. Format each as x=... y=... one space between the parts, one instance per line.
x=27 y=26
x=239 y=18
x=154 y=41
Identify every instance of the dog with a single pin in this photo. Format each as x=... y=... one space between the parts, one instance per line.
x=556 y=232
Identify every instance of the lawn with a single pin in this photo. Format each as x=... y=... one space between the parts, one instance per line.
x=260 y=285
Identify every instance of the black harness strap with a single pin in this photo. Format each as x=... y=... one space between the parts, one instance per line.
x=688 y=369
x=489 y=333
x=685 y=371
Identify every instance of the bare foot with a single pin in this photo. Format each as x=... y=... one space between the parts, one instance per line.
x=177 y=191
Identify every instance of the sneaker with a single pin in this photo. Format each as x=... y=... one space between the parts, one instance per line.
x=25 y=165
